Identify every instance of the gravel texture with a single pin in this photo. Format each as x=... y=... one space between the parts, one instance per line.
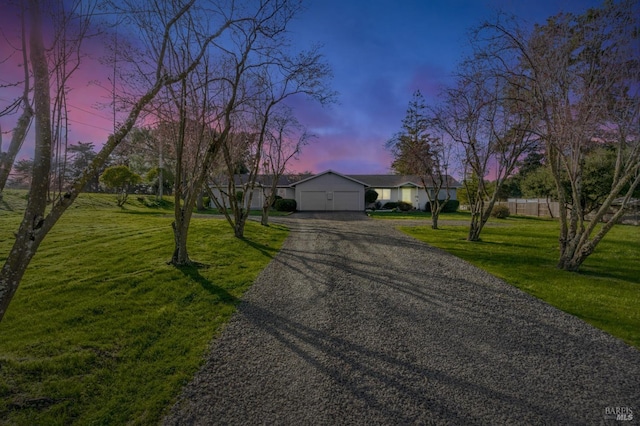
x=355 y=323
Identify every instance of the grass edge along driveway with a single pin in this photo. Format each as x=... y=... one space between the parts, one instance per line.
x=102 y=330
x=523 y=251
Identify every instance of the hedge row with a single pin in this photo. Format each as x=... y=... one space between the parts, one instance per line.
x=286 y=205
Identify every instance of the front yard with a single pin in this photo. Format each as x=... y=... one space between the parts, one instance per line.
x=102 y=330
x=524 y=251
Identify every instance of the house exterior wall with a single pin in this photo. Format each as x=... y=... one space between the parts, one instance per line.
x=441 y=196
x=418 y=196
x=256 y=200
x=329 y=192
x=258 y=196
x=288 y=193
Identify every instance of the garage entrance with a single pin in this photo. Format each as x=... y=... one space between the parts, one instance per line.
x=330 y=191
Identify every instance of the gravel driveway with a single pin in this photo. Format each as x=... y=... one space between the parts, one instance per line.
x=356 y=323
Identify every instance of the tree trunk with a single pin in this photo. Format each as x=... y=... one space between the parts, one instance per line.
x=180 y=232
x=26 y=245
x=240 y=217
x=20 y=131
x=435 y=210
x=270 y=200
x=572 y=260
x=238 y=228
x=32 y=230
x=475 y=227
x=200 y=202
x=17 y=138
x=160 y=193
x=264 y=221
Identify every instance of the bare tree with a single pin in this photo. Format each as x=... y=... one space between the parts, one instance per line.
x=582 y=91
x=227 y=108
x=481 y=116
x=283 y=141
x=159 y=27
x=196 y=144
x=417 y=152
x=24 y=102
x=271 y=76
x=484 y=115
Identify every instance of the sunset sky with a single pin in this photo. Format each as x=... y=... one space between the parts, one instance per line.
x=380 y=51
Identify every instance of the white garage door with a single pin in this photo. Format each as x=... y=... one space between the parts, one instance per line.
x=346 y=200
x=313 y=201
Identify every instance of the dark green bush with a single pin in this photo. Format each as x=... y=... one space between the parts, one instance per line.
x=277 y=197
x=286 y=205
x=370 y=196
x=404 y=206
x=400 y=205
x=450 y=207
x=500 y=212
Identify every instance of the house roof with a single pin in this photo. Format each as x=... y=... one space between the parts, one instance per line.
x=394 y=181
x=263 y=180
x=328 y=172
x=369 y=181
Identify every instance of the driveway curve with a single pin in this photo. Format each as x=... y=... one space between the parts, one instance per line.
x=356 y=323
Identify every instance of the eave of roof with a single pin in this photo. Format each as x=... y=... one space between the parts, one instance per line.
x=330 y=172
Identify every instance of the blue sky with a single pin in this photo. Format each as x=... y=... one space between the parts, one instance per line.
x=381 y=51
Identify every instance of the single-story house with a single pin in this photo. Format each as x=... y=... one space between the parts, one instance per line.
x=333 y=191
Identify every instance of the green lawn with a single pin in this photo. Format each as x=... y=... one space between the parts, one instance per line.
x=416 y=214
x=102 y=330
x=524 y=251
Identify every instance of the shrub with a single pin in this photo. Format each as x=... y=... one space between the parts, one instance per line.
x=400 y=205
x=404 y=206
x=286 y=205
x=277 y=197
x=370 y=196
x=450 y=207
x=120 y=178
x=500 y=211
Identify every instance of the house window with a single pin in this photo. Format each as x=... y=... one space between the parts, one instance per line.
x=282 y=192
x=383 y=194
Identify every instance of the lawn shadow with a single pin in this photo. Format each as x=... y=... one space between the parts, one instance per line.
x=5 y=206
x=152 y=212
x=620 y=273
x=265 y=250
x=193 y=272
